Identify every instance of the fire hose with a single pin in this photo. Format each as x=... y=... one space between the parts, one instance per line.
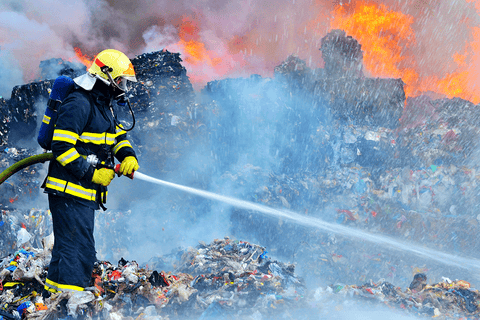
x=42 y=158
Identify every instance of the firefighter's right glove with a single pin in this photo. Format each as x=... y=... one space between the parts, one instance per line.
x=129 y=164
x=103 y=176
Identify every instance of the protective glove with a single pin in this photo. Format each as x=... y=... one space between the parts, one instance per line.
x=128 y=165
x=103 y=176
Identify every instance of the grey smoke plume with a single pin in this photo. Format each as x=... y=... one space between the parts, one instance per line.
x=248 y=37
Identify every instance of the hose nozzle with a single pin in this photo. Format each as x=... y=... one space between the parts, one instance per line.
x=117 y=171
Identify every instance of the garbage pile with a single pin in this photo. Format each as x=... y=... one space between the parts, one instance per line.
x=342 y=54
x=226 y=277
x=4 y=119
x=19 y=227
x=161 y=76
x=444 y=300
x=440 y=131
x=318 y=142
x=25 y=184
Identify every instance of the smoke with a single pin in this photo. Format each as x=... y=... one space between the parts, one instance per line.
x=9 y=76
x=239 y=38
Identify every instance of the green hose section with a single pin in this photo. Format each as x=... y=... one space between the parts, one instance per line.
x=17 y=166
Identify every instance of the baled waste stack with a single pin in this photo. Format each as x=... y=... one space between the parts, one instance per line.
x=162 y=99
x=352 y=96
x=167 y=117
x=4 y=120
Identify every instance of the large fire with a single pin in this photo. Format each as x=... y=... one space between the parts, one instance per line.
x=384 y=36
x=202 y=64
x=387 y=36
x=83 y=58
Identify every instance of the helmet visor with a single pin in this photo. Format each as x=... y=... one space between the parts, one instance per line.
x=121 y=82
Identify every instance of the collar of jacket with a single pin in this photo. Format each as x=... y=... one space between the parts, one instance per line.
x=102 y=91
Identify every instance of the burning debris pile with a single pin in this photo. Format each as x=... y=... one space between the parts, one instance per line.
x=352 y=96
x=330 y=143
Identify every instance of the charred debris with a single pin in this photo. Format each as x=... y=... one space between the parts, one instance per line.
x=327 y=142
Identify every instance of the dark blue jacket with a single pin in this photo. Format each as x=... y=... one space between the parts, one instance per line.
x=84 y=126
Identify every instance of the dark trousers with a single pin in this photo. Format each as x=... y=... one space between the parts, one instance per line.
x=73 y=254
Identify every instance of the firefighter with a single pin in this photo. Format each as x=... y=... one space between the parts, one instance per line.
x=85 y=128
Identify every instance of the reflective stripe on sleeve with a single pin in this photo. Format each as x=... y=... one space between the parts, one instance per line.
x=64 y=135
x=68 y=156
x=121 y=144
x=119 y=131
x=46 y=119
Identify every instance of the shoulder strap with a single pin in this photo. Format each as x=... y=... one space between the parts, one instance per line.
x=88 y=95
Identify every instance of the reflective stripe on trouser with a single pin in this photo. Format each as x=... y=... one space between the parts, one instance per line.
x=73 y=252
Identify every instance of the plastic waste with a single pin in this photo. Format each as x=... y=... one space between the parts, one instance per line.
x=78 y=299
x=23 y=237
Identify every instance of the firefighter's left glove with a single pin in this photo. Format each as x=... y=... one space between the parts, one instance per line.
x=103 y=176
x=129 y=164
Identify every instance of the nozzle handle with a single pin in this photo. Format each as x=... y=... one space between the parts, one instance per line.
x=117 y=171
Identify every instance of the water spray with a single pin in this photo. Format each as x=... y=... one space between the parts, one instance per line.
x=445 y=258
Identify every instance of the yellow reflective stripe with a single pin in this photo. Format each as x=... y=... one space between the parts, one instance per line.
x=61 y=287
x=46 y=119
x=81 y=192
x=120 y=145
x=119 y=131
x=64 y=135
x=55 y=184
x=71 y=188
x=68 y=156
x=52 y=290
x=98 y=138
x=11 y=284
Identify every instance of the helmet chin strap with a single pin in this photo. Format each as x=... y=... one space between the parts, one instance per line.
x=122 y=96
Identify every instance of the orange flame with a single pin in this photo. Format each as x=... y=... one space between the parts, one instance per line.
x=83 y=58
x=202 y=64
x=195 y=51
x=384 y=35
x=387 y=37
x=460 y=83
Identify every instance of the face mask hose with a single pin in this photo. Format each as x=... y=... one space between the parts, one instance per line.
x=122 y=99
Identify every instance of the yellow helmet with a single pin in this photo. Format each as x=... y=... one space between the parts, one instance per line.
x=111 y=64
